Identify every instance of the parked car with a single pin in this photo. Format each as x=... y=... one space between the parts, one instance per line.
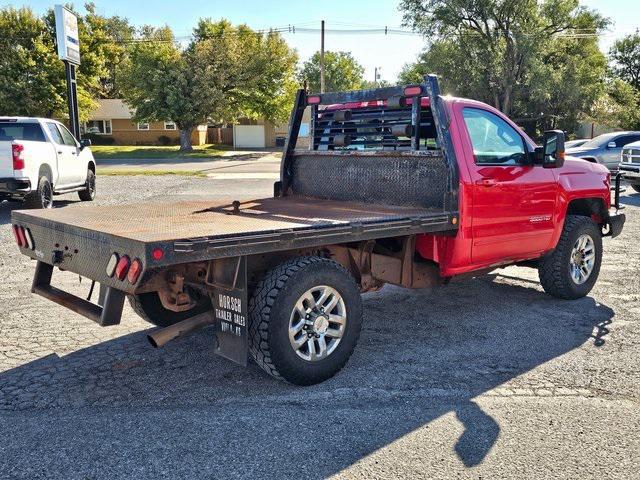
x=630 y=164
x=440 y=187
x=575 y=143
x=40 y=158
x=605 y=149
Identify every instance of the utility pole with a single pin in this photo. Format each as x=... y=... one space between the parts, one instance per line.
x=322 y=56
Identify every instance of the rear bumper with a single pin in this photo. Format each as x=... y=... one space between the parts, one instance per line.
x=15 y=186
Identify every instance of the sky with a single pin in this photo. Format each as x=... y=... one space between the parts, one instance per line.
x=388 y=52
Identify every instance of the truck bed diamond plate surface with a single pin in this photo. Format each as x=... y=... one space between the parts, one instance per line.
x=153 y=222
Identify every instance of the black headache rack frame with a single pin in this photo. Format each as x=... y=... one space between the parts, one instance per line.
x=397 y=125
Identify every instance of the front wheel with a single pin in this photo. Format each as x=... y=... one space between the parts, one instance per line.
x=636 y=187
x=304 y=320
x=572 y=269
x=89 y=193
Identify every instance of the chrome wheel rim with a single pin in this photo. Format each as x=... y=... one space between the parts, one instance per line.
x=583 y=259
x=46 y=196
x=317 y=323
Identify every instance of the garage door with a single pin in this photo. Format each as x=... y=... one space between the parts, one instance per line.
x=248 y=136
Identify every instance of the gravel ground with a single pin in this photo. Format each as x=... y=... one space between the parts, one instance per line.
x=484 y=378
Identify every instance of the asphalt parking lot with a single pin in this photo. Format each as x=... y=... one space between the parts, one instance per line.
x=484 y=378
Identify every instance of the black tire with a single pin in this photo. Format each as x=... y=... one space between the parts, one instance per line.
x=270 y=309
x=88 y=194
x=636 y=187
x=149 y=307
x=42 y=197
x=555 y=271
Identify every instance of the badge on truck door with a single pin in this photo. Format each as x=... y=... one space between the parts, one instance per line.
x=228 y=277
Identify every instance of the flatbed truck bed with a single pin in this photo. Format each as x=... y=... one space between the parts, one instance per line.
x=202 y=230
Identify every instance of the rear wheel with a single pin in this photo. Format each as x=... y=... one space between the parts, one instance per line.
x=636 y=187
x=149 y=307
x=304 y=320
x=572 y=269
x=88 y=194
x=42 y=197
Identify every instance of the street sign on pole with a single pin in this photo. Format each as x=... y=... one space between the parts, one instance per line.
x=68 y=40
x=67 y=35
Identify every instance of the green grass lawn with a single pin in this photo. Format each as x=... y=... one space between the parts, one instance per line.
x=143 y=151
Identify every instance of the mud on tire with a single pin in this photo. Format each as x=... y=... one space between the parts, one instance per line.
x=270 y=310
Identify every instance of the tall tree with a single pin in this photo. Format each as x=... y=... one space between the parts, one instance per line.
x=341 y=72
x=625 y=54
x=226 y=72
x=493 y=49
x=32 y=80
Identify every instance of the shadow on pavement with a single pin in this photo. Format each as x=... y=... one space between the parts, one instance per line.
x=183 y=410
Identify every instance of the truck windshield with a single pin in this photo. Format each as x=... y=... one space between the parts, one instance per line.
x=31 y=131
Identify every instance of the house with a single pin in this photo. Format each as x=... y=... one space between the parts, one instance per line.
x=265 y=134
x=113 y=120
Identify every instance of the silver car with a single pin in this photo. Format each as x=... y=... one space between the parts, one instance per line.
x=605 y=149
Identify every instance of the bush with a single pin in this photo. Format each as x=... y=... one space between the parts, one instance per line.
x=99 y=139
x=164 y=140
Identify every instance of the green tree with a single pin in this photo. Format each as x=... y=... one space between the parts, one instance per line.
x=625 y=55
x=225 y=73
x=32 y=80
x=618 y=107
x=521 y=56
x=341 y=72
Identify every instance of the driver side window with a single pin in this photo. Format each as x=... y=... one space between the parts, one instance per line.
x=494 y=141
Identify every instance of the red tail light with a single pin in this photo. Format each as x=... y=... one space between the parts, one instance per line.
x=313 y=100
x=134 y=271
x=123 y=267
x=22 y=240
x=17 y=234
x=17 y=152
x=412 y=91
x=157 y=253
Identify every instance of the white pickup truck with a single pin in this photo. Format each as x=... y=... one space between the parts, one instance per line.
x=40 y=158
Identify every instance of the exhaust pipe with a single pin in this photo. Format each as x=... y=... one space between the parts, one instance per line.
x=161 y=336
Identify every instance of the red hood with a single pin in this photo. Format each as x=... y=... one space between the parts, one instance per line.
x=578 y=165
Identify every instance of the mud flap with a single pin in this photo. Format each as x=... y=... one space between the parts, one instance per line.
x=227 y=281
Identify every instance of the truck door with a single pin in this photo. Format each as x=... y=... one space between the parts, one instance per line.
x=513 y=202
x=77 y=170
x=60 y=174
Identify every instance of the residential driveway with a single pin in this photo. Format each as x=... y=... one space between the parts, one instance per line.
x=232 y=165
x=484 y=378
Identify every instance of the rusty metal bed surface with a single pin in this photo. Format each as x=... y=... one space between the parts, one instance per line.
x=161 y=222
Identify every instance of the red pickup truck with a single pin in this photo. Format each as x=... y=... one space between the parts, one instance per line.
x=399 y=185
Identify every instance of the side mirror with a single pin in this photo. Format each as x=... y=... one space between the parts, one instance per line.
x=85 y=142
x=551 y=153
x=611 y=145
